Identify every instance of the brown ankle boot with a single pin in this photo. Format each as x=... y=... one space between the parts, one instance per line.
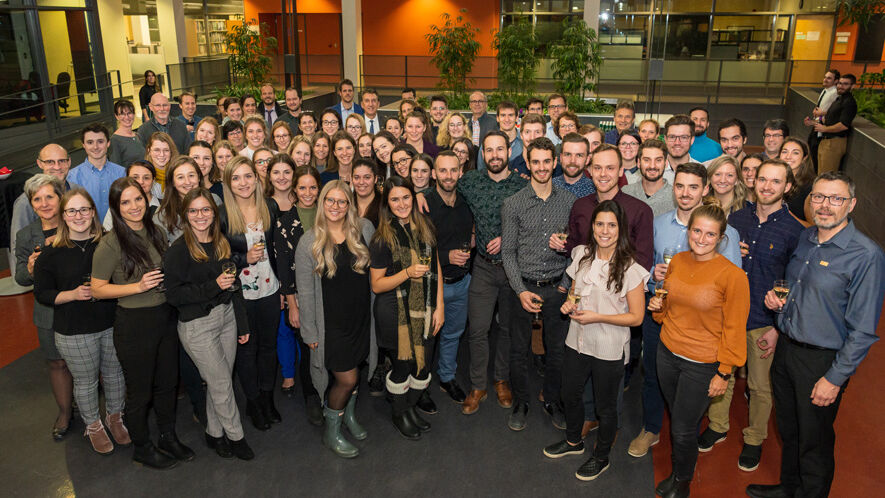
x=117 y=429
x=101 y=443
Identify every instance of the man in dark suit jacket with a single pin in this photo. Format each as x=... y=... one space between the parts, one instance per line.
x=479 y=122
x=346 y=106
x=270 y=109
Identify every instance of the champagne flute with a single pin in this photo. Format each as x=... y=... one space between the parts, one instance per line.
x=781 y=289
x=573 y=297
x=230 y=268
x=668 y=254
x=424 y=257
x=160 y=287
x=538 y=301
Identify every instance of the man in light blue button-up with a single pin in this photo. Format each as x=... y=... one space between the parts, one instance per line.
x=96 y=173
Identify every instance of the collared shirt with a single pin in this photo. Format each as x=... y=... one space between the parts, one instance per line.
x=269 y=115
x=836 y=293
x=346 y=112
x=552 y=134
x=527 y=223
x=581 y=188
x=611 y=136
x=704 y=148
x=670 y=171
x=373 y=125
x=827 y=97
x=23 y=215
x=843 y=110
x=485 y=196
x=97 y=182
x=174 y=128
x=660 y=202
x=292 y=121
x=639 y=219
x=771 y=243
x=669 y=232
x=454 y=226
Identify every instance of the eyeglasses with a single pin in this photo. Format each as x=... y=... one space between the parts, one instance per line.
x=478 y=101
x=773 y=135
x=126 y=113
x=835 y=200
x=263 y=162
x=336 y=202
x=281 y=135
x=437 y=108
x=400 y=162
x=205 y=211
x=327 y=122
x=628 y=144
x=355 y=127
x=83 y=211
x=53 y=162
x=678 y=138
x=556 y=106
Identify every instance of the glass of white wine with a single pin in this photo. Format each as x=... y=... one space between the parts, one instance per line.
x=538 y=301
x=574 y=298
x=781 y=290
x=424 y=257
x=662 y=289
x=668 y=254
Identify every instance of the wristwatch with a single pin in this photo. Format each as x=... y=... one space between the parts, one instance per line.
x=724 y=377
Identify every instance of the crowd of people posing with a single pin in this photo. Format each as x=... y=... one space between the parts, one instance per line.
x=195 y=251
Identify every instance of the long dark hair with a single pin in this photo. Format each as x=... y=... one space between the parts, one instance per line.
x=420 y=225
x=623 y=255
x=133 y=253
x=170 y=207
x=471 y=153
x=220 y=245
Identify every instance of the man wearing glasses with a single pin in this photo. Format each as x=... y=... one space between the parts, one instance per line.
x=479 y=121
x=678 y=136
x=556 y=105
x=827 y=322
x=439 y=107
x=774 y=132
x=160 y=121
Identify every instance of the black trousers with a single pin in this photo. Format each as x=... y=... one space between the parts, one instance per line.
x=307 y=388
x=555 y=330
x=146 y=340
x=807 y=462
x=685 y=385
x=257 y=359
x=607 y=375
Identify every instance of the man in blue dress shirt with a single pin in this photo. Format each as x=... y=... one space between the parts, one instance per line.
x=827 y=322
x=96 y=173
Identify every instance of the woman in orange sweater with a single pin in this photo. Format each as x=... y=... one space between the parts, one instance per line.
x=703 y=339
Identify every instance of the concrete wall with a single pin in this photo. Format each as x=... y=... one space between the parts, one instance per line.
x=863 y=162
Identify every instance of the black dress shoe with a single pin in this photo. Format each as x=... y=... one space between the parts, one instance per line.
x=219 y=444
x=420 y=423
x=170 y=444
x=557 y=417
x=267 y=406
x=665 y=486
x=257 y=415
x=241 y=450
x=453 y=390
x=680 y=489
x=426 y=405
x=149 y=456
x=767 y=491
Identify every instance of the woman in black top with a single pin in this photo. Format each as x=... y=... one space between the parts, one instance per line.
x=150 y=87
x=409 y=298
x=466 y=152
x=794 y=152
x=383 y=145
x=82 y=325
x=365 y=187
x=279 y=185
x=211 y=316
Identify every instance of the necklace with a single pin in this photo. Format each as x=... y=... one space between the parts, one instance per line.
x=83 y=246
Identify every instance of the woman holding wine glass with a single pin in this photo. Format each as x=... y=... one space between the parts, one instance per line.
x=83 y=326
x=409 y=299
x=211 y=316
x=703 y=338
x=127 y=267
x=606 y=299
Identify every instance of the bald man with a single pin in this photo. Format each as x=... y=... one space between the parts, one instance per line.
x=160 y=109
x=52 y=160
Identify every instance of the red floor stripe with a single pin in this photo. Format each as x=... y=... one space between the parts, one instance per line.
x=19 y=335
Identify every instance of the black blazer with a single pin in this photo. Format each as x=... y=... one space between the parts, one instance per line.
x=237 y=242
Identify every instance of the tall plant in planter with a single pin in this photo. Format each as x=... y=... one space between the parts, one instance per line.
x=858 y=11
x=454 y=49
x=577 y=59
x=249 y=46
x=516 y=47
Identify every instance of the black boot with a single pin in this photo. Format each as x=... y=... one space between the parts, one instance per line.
x=680 y=489
x=314 y=410
x=241 y=449
x=149 y=456
x=400 y=407
x=257 y=415
x=413 y=396
x=267 y=406
x=219 y=444
x=666 y=485
x=169 y=443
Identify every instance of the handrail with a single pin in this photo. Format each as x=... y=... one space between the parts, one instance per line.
x=40 y=103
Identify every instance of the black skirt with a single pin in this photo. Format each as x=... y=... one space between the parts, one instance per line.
x=346 y=311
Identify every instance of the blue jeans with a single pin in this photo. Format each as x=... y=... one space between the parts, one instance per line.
x=652 y=399
x=455 y=297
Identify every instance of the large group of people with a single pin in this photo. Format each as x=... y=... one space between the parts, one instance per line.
x=196 y=251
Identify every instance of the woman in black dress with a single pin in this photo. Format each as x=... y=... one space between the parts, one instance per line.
x=409 y=303
x=150 y=87
x=331 y=269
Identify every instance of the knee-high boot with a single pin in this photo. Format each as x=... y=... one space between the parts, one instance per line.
x=333 y=439
x=400 y=406
x=416 y=390
x=356 y=430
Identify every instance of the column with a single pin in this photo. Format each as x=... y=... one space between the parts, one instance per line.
x=352 y=39
x=116 y=51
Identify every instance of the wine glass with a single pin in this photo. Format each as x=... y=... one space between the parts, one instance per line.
x=538 y=301
x=260 y=244
x=465 y=248
x=562 y=233
x=161 y=287
x=230 y=268
x=574 y=297
x=781 y=289
x=425 y=256
x=668 y=254
x=662 y=289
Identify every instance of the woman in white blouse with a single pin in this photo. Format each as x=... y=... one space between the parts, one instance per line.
x=606 y=298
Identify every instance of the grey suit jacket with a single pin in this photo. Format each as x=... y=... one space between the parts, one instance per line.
x=25 y=241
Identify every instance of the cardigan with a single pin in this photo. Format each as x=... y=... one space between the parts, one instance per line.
x=310 y=304
x=25 y=240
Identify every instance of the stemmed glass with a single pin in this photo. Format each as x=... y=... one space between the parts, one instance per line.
x=161 y=287
x=781 y=289
x=538 y=301
x=668 y=254
x=231 y=269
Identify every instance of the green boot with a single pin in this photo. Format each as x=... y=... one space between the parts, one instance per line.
x=356 y=430
x=333 y=439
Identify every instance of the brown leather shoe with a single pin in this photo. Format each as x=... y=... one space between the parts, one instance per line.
x=101 y=443
x=588 y=427
x=505 y=397
x=471 y=404
x=118 y=431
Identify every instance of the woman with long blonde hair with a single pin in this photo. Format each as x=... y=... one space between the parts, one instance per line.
x=727 y=184
x=248 y=222
x=453 y=126
x=300 y=149
x=331 y=262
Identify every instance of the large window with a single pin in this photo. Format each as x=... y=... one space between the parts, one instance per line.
x=546 y=16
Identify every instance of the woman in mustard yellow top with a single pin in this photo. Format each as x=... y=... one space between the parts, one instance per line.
x=703 y=338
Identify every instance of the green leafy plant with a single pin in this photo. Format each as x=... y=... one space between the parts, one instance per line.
x=576 y=59
x=454 y=49
x=249 y=46
x=516 y=47
x=859 y=12
x=870 y=97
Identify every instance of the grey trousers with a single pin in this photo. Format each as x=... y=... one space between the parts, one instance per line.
x=488 y=286
x=211 y=341
x=87 y=355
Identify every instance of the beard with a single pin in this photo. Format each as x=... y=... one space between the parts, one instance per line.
x=496 y=168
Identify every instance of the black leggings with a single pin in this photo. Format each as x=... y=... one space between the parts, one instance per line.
x=403 y=368
x=257 y=359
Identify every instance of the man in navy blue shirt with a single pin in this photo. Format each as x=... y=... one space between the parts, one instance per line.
x=828 y=323
x=768 y=236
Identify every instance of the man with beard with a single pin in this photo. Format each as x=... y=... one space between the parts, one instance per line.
x=835 y=126
x=293 y=110
x=824 y=101
x=160 y=121
x=484 y=192
x=556 y=105
x=439 y=107
x=653 y=189
x=575 y=157
x=270 y=109
x=827 y=323
x=769 y=235
x=703 y=148
x=679 y=136
x=346 y=106
x=454 y=229
x=671 y=235
x=732 y=138
x=774 y=132
x=537 y=276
